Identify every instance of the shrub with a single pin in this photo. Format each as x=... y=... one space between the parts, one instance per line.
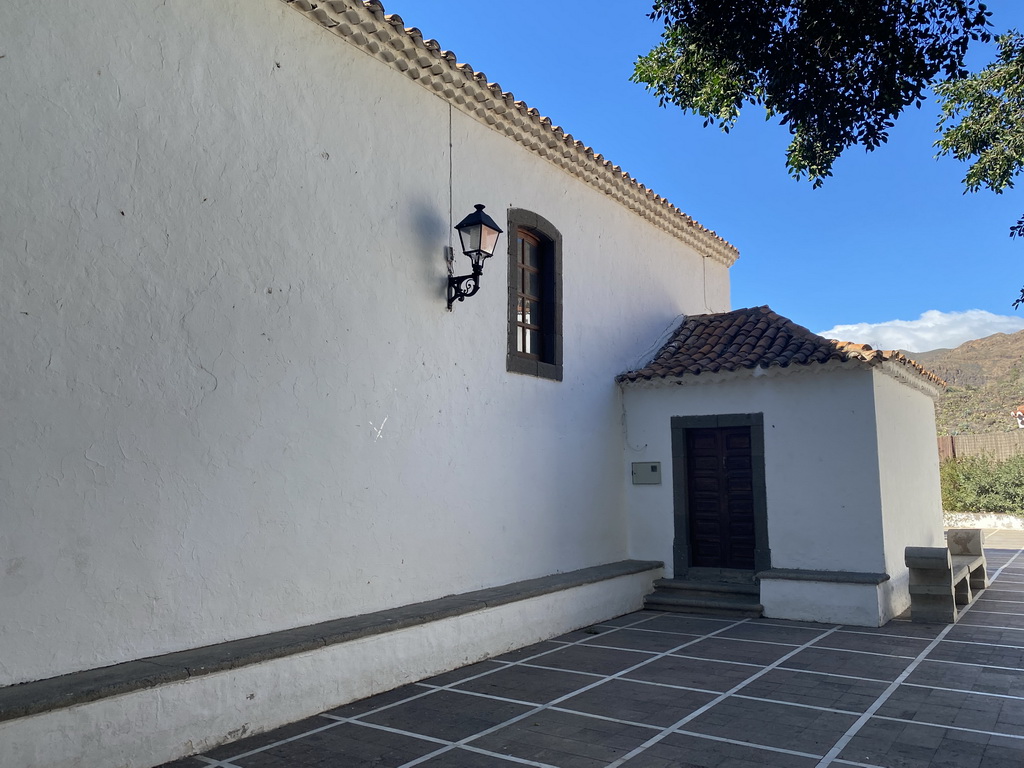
x=982 y=484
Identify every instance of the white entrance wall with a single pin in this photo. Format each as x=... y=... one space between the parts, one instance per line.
x=864 y=605
x=851 y=478
x=234 y=402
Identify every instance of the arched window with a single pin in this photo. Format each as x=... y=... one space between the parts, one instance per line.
x=534 y=296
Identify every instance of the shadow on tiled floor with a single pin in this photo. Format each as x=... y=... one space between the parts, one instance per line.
x=655 y=690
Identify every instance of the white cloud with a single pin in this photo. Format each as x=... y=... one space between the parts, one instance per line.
x=933 y=330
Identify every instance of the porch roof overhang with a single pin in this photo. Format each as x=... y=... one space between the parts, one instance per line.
x=754 y=342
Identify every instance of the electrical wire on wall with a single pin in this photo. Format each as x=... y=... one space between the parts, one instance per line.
x=450 y=253
x=625 y=427
x=663 y=337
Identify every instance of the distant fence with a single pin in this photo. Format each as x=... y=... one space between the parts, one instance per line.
x=998 y=445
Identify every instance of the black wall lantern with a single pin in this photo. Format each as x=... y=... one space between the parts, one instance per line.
x=479 y=236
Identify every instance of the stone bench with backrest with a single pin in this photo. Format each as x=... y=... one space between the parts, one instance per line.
x=943 y=578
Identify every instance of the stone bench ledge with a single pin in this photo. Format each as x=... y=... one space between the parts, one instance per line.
x=829 y=577
x=53 y=693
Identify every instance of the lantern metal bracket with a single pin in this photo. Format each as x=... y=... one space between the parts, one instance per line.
x=461 y=286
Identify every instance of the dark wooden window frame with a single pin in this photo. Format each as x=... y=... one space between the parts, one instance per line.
x=681 y=561
x=547 y=365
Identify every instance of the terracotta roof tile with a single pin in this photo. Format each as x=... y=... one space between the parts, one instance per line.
x=752 y=338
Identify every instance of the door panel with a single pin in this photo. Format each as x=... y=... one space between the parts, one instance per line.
x=720 y=497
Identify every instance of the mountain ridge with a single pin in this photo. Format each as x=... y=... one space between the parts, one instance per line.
x=986 y=381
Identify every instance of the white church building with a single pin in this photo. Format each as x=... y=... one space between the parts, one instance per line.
x=252 y=467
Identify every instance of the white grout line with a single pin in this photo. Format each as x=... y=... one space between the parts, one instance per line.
x=606 y=718
x=985 y=645
x=994 y=627
x=658 y=631
x=400 y=732
x=964 y=690
x=560 y=669
x=588 y=644
x=866 y=653
x=1018 y=670
x=466 y=692
x=761 y=642
x=857 y=765
x=720 y=698
x=510 y=758
x=215 y=763
x=585 y=644
x=644 y=618
x=669 y=685
x=1002 y=734
x=996 y=613
x=738 y=743
x=854 y=729
x=850 y=630
x=836 y=674
x=717 y=661
x=984 y=599
x=767 y=621
x=795 y=704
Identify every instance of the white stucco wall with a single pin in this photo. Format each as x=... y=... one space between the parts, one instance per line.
x=821 y=460
x=233 y=401
x=908 y=464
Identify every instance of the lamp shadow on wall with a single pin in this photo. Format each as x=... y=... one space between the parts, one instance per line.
x=429 y=239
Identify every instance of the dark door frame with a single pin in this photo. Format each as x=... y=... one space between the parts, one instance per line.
x=680 y=506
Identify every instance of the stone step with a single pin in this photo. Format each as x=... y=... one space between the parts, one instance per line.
x=722 y=605
x=718 y=587
x=716 y=598
x=720 y=575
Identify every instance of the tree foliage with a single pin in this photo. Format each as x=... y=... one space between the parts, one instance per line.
x=982 y=122
x=837 y=74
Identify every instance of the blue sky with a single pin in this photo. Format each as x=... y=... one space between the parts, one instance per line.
x=891 y=237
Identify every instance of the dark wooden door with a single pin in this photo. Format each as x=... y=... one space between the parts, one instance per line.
x=720 y=497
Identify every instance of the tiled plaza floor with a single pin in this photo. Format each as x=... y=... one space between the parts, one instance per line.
x=658 y=690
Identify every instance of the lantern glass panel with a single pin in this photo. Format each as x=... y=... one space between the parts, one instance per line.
x=488 y=239
x=470 y=238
